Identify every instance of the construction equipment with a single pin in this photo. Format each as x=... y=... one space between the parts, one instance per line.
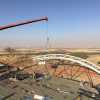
x=23 y=23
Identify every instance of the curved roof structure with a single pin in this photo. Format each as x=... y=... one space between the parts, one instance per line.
x=82 y=62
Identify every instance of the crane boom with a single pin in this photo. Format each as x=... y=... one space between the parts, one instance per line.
x=22 y=23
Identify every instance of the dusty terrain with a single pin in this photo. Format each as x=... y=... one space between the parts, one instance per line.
x=94 y=58
x=23 y=59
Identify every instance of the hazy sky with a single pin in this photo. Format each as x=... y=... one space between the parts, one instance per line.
x=72 y=23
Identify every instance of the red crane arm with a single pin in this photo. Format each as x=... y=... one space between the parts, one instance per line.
x=22 y=23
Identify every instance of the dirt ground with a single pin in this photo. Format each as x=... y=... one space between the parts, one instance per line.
x=94 y=58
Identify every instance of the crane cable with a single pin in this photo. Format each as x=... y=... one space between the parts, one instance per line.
x=47 y=44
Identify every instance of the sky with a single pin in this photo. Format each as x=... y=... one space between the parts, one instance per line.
x=71 y=24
